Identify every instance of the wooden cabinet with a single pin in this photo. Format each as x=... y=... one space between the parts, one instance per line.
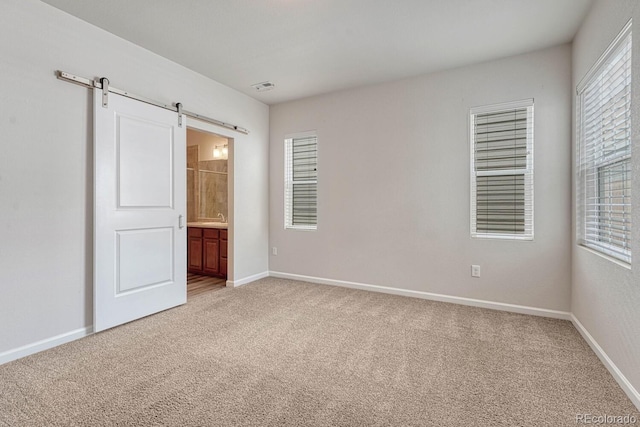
x=194 y=249
x=210 y=251
x=223 y=253
x=207 y=251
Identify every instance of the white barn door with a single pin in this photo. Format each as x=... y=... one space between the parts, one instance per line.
x=140 y=210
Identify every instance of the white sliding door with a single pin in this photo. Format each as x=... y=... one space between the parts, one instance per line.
x=140 y=210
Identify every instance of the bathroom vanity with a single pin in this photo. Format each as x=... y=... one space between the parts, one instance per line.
x=207 y=248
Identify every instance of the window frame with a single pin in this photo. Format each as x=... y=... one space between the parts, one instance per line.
x=584 y=168
x=527 y=172
x=289 y=182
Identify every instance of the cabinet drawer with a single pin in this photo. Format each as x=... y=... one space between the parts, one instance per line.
x=223 y=234
x=211 y=233
x=194 y=232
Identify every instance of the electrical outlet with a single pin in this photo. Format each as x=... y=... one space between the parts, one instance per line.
x=274 y=251
x=475 y=271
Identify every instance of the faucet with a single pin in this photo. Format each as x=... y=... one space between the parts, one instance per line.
x=221 y=216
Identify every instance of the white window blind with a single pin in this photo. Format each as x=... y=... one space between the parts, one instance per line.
x=604 y=169
x=301 y=182
x=502 y=171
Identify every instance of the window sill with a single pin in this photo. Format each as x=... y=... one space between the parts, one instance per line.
x=298 y=228
x=502 y=237
x=605 y=256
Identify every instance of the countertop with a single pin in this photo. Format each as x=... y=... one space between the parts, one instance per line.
x=209 y=224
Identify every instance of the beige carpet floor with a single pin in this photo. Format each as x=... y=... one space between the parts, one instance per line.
x=279 y=352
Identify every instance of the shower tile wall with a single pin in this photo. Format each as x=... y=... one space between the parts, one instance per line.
x=213 y=189
x=192 y=183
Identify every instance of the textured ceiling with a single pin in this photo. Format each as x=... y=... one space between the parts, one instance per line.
x=308 y=47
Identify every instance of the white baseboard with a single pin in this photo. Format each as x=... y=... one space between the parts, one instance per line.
x=543 y=312
x=45 y=344
x=628 y=388
x=249 y=279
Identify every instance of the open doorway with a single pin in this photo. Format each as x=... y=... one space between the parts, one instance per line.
x=207 y=211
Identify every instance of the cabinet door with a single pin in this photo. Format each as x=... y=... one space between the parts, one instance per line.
x=223 y=267
x=223 y=253
x=210 y=255
x=195 y=254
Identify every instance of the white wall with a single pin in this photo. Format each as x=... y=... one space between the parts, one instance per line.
x=605 y=295
x=46 y=172
x=394 y=185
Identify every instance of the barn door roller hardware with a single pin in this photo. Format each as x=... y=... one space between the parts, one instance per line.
x=103 y=83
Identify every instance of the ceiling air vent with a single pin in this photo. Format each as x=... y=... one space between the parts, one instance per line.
x=263 y=87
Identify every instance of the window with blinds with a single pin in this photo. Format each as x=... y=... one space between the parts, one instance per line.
x=604 y=160
x=502 y=171
x=301 y=182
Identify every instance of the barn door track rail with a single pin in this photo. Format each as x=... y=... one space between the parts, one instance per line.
x=103 y=83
